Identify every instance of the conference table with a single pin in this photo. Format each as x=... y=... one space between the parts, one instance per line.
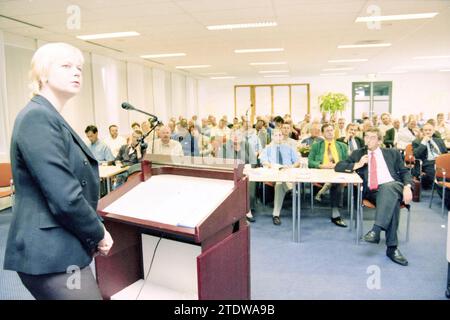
x=298 y=176
x=108 y=172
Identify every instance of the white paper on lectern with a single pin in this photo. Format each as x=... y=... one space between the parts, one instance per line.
x=174 y=200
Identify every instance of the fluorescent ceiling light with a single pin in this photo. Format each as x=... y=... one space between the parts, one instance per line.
x=267 y=63
x=431 y=57
x=347 y=60
x=214 y=74
x=108 y=35
x=337 y=69
x=444 y=70
x=274 y=71
x=242 y=25
x=370 y=45
x=333 y=74
x=276 y=76
x=226 y=77
x=392 y=72
x=193 y=66
x=258 y=50
x=397 y=17
x=408 y=67
x=163 y=55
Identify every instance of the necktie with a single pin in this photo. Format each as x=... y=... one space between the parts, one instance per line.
x=434 y=151
x=279 y=156
x=351 y=145
x=192 y=145
x=373 y=183
x=330 y=154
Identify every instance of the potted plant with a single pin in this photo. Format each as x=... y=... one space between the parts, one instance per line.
x=304 y=149
x=333 y=102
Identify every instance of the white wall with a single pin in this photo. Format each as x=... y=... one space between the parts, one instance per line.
x=412 y=93
x=4 y=123
x=107 y=82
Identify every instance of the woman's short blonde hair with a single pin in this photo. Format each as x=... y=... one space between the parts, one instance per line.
x=43 y=59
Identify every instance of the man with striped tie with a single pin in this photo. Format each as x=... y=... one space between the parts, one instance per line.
x=351 y=139
x=279 y=155
x=427 y=149
x=386 y=182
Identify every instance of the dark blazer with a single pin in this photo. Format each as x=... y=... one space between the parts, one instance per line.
x=315 y=156
x=394 y=162
x=359 y=141
x=389 y=138
x=55 y=223
x=421 y=151
x=128 y=159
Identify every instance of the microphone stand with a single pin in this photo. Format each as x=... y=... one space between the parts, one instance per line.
x=141 y=139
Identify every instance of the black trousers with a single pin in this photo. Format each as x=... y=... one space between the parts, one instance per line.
x=336 y=193
x=62 y=286
x=387 y=200
x=428 y=177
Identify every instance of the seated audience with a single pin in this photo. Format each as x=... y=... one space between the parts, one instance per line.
x=385 y=123
x=340 y=131
x=324 y=155
x=279 y=155
x=315 y=135
x=166 y=145
x=408 y=134
x=352 y=141
x=98 y=148
x=386 y=182
x=391 y=136
x=189 y=143
x=286 y=130
x=114 y=141
x=132 y=152
x=426 y=149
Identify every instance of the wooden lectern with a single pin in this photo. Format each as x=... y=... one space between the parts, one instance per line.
x=192 y=216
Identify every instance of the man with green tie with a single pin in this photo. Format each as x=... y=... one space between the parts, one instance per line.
x=324 y=155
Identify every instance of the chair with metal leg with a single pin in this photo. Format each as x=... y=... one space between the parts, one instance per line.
x=366 y=203
x=442 y=173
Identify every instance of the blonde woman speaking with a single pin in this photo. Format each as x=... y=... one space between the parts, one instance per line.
x=55 y=230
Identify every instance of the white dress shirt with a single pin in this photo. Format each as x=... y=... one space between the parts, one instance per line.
x=172 y=148
x=383 y=128
x=115 y=144
x=405 y=137
x=383 y=174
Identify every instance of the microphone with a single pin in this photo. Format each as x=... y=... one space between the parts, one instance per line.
x=365 y=149
x=246 y=112
x=127 y=106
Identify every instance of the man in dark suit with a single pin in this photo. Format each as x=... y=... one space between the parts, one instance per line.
x=133 y=152
x=390 y=138
x=427 y=149
x=386 y=182
x=352 y=141
x=325 y=155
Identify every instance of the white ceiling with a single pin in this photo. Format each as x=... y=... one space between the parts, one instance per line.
x=309 y=30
